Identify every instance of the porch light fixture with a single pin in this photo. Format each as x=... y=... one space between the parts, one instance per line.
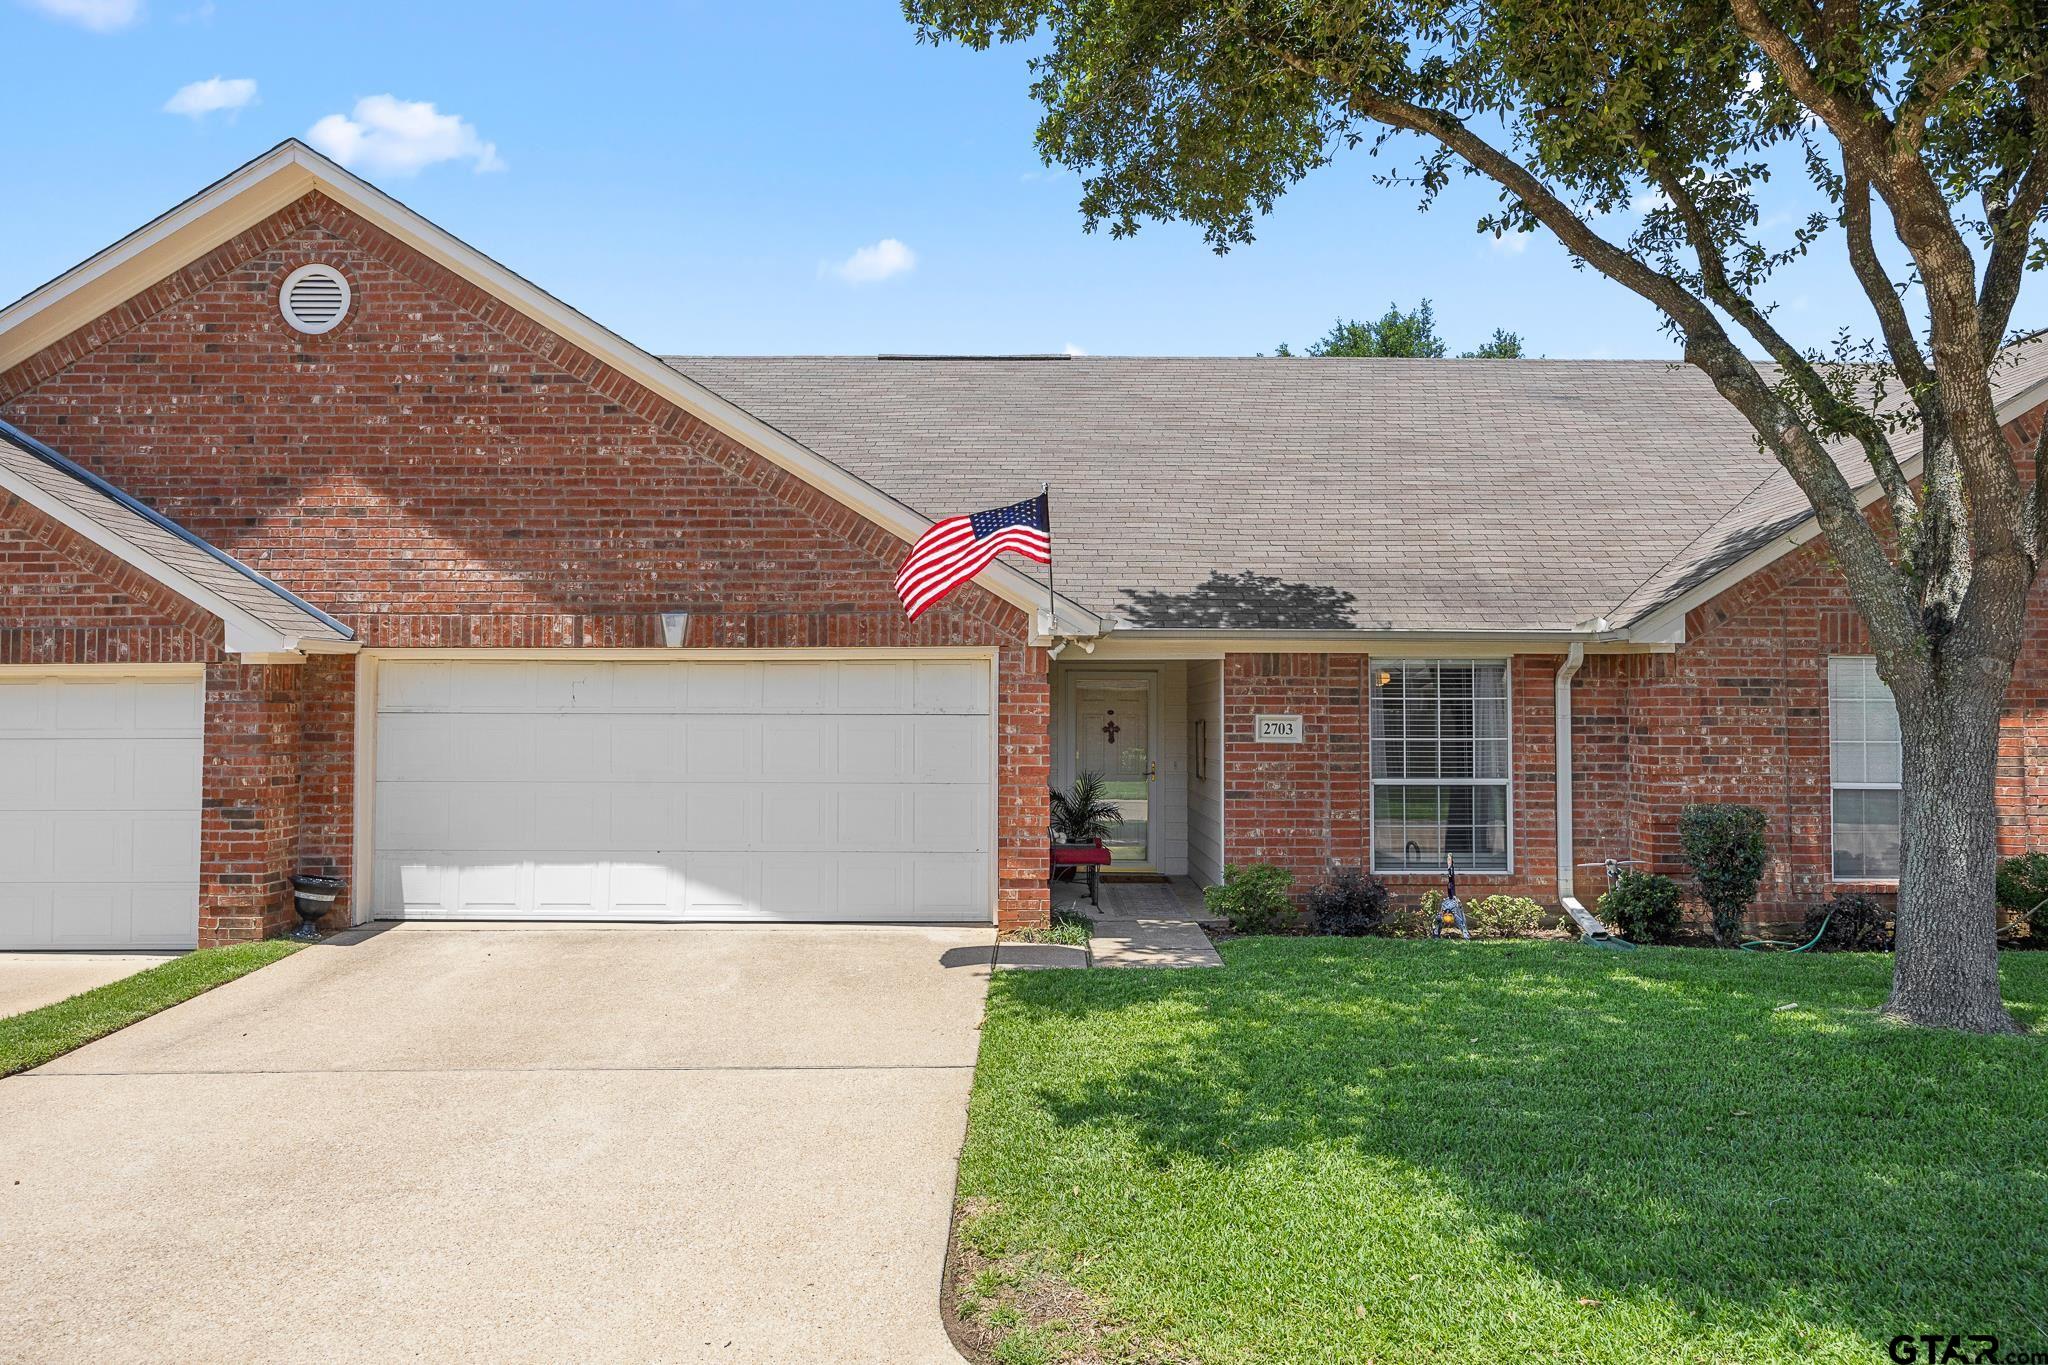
x=675 y=628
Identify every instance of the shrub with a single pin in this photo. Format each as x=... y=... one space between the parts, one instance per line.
x=1406 y=921
x=1643 y=906
x=1503 y=917
x=1085 y=814
x=2022 y=889
x=1725 y=845
x=1253 y=897
x=1351 y=903
x=1496 y=916
x=1855 y=924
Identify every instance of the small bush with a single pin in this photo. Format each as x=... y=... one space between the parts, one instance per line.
x=1351 y=903
x=1496 y=916
x=1725 y=845
x=1503 y=917
x=2022 y=889
x=1406 y=921
x=1855 y=924
x=1643 y=906
x=1253 y=897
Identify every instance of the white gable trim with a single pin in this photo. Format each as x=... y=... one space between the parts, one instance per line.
x=290 y=170
x=242 y=632
x=1668 y=621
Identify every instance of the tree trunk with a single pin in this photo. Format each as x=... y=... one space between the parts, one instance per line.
x=1946 y=972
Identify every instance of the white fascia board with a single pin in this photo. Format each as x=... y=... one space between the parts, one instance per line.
x=159 y=248
x=288 y=171
x=241 y=631
x=1135 y=644
x=1668 y=621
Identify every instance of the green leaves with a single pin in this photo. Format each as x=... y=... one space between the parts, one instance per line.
x=1085 y=813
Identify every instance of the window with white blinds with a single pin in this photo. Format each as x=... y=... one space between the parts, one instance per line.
x=1440 y=764
x=1863 y=761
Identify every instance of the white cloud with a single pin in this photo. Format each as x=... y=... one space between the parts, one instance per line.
x=1073 y=350
x=884 y=260
x=1650 y=199
x=1510 y=243
x=201 y=98
x=101 y=16
x=390 y=136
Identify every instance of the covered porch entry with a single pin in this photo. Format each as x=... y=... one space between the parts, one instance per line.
x=1153 y=730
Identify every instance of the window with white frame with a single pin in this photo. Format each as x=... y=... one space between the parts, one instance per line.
x=1863 y=734
x=1439 y=764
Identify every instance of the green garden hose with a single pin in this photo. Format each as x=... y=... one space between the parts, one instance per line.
x=1787 y=944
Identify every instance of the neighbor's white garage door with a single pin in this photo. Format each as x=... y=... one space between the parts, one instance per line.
x=99 y=811
x=840 y=790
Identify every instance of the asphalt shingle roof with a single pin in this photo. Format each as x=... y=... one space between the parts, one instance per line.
x=1436 y=495
x=164 y=540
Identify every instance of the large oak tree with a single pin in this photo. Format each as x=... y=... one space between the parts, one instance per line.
x=1923 y=127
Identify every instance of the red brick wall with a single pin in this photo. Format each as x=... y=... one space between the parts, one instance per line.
x=1740 y=713
x=442 y=471
x=1306 y=806
x=249 y=801
x=64 y=600
x=327 y=780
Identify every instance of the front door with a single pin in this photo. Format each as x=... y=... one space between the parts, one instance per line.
x=1113 y=737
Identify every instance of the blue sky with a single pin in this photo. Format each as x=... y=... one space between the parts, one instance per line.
x=768 y=177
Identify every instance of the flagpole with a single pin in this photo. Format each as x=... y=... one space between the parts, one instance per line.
x=1052 y=610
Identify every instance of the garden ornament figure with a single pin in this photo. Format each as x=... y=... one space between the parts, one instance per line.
x=1451 y=913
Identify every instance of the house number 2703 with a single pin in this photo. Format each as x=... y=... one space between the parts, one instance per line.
x=1277 y=729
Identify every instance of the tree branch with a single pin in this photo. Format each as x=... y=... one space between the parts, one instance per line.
x=1994 y=503
x=1947 y=72
x=2012 y=228
x=1876 y=583
x=1827 y=404
x=1892 y=321
x=1862 y=129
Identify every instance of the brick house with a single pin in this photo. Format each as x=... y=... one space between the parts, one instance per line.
x=328 y=545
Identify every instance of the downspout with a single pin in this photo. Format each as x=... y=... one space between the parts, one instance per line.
x=1567 y=897
x=1565 y=891
x=1591 y=930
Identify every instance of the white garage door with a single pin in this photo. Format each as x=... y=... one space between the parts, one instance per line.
x=840 y=790
x=99 y=812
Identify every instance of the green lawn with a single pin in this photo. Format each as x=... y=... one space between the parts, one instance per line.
x=1345 y=1150
x=29 y=1040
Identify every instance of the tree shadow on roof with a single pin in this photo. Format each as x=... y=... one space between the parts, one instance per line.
x=1243 y=601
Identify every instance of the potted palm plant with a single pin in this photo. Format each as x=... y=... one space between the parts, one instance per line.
x=1084 y=814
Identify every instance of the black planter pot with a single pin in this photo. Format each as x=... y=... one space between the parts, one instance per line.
x=314 y=896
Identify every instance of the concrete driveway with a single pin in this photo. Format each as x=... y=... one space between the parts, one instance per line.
x=676 y=1143
x=29 y=981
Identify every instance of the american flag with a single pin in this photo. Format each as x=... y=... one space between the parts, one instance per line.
x=958 y=548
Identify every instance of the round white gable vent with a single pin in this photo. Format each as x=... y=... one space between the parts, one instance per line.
x=314 y=298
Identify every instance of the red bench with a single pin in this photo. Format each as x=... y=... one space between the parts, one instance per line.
x=1092 y=856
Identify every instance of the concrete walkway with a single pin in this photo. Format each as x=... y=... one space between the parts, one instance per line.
x=677 y=1143
x=1144 y=924
x=29 y=981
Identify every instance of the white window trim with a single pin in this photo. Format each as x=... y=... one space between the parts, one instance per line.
x=1373 y=781
x=1835 y=786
